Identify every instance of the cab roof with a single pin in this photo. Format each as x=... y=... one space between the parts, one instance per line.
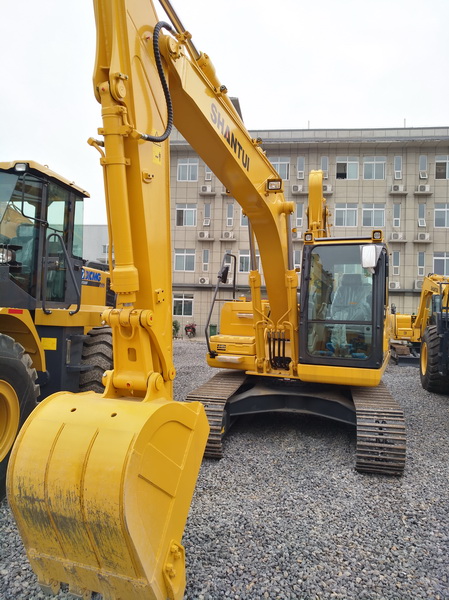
x=44 y=169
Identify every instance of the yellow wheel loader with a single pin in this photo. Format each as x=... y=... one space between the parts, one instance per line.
x=51 y=301
x=100 y=483
x=426 y=333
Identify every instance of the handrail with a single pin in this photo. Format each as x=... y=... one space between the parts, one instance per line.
x=70 y=269
x=221 y=278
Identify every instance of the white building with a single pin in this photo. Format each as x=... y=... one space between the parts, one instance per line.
x=390 y=179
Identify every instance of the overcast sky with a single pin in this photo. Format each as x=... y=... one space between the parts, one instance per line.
x=292 y=63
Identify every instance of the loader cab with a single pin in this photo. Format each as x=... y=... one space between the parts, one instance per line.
x=41 y=227
x=342 y=305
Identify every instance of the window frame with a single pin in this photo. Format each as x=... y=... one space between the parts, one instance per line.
x=183 y=254
x=345 y=209
x=185 y=299
x=279 y=162
x=441 y=159
x=191 y=166
x=374 y=209
x=378 y=166
x=348 y=161
x=444 y=208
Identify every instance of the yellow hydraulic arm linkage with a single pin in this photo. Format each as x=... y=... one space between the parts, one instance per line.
x=100 y=485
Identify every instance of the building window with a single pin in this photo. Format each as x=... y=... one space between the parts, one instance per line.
x=243 y=219
x=396 y=261
x=206 y=259
x=324 y=164
x=296 y=259
x=186 y=215
x=347 y=167
x=206 y=217
x=442 y=167
x=105 y=248
x=441 y=263
x=374 y=167
x=397 y=167
x=421 y=215
x=183 y=305
x=230 y=214
x=373 y=215
x=184 y=259
x=421 y=263
x=299 y=213
x=423 y=166
x=188 y=169
x=244 y=261
x=301 y=167
x=345 y=214
x=441 y=215
x=396 y=215
x=207 y=174
x=282 y=166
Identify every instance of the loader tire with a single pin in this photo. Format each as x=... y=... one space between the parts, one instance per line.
x=431 y=378
x=97 y=354
x=18 y=397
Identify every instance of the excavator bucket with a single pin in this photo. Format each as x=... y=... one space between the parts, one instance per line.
x=101 y=503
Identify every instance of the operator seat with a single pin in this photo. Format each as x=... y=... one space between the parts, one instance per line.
x=350 y=301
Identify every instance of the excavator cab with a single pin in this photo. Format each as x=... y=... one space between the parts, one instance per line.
x=41 y=238
x=342 y=302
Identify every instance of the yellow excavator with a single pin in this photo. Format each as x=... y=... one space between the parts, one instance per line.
x=100 y=484
x=426 y=333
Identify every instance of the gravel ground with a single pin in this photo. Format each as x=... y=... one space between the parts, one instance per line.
x=284 y=515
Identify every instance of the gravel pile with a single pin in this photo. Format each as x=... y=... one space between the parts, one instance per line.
x=284 y=515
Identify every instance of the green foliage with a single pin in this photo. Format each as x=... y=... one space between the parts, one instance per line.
x=176 y=328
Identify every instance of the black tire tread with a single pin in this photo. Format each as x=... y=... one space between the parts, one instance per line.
x=432 y=380
x=12 y=350
x=97 y=353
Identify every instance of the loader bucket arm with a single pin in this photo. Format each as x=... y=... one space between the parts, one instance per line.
x=100 y=484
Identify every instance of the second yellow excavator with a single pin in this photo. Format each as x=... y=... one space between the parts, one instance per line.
x=100 y=484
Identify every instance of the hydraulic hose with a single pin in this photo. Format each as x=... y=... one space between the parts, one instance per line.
x=160 y=70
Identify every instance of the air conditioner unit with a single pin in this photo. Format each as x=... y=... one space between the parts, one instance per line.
x=394 y=285
x=297 y=188
x=417 y=284
x=228 y=235
x=203 y=235
x=327 y=188
x=203 y=281
x=423 y=188
x=206 y=189
x=423 y=237
x=396 y=236
x=397 y=188
x=206 y=222
x=297 y=235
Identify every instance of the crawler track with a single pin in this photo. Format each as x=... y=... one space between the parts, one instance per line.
x=380 y=431
x=214 y=395
x=379 y=420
